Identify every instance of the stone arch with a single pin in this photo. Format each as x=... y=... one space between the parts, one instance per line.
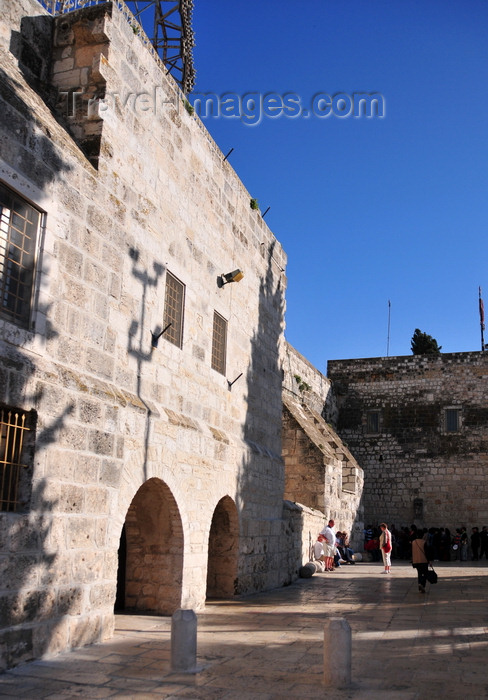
x=152 y=562
x=223 y=549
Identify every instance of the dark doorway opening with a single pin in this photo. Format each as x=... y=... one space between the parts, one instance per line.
x=150 y=573
x=122 y=556
x=223 y=548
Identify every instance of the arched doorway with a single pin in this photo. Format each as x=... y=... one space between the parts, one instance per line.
x=122 y=557
x=151 y=552
x=223 y=549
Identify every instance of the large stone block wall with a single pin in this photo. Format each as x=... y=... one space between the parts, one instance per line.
x=304 y=382
x=303 y=524
x=320 y=471
x=117 y=418
x=415 y=470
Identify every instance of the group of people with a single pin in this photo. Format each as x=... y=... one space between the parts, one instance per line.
x=445 y=546
x=422 y=553
x=333 y=548
x=425 y=547
x=421 y=545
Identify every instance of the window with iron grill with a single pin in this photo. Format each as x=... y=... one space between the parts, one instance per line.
x=19 y=226
x=452 y=420
x=16 y=439
x=373 y=422
x=219 y=343
x=174 y=303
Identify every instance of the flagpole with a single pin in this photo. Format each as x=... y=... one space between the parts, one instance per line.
x=482 y=320
x=388 y=338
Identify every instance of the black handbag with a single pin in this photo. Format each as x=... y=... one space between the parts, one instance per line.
x=431 y=576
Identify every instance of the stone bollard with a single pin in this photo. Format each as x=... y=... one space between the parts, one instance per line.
x=337 y=653
x=308 y=570
x=184 y=641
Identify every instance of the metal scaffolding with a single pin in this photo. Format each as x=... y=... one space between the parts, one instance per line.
x=166 y=24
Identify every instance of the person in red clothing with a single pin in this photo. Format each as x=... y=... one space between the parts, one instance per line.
x=373 y=547
x=385 y=546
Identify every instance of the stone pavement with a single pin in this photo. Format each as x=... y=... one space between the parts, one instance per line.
x=269 y=646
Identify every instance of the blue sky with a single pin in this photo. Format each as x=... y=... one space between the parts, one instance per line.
x=368 y=210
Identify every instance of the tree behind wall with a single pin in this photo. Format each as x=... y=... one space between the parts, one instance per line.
x=424 y=344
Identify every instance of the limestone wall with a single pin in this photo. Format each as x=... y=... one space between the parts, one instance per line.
x=417 y=469
x=320 y=471
x=302 y=527
x=152 y=438
x=304 y=382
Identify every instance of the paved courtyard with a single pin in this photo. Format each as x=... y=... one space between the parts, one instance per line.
x=270 y=646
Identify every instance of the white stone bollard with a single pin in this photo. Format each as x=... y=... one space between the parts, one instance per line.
x=337 y=653
x=184 y=641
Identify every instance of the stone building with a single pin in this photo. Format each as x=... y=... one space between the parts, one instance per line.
x=418 y=426
x=140 y=371
x=320 y=471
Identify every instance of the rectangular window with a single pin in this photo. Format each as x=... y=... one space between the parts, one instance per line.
x=174 y=304
x=219 y=343
x=452 y=420
x=373 y=422
x=19 y=226
x=15 y=426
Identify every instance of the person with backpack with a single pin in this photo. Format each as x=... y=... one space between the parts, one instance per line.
x=421 y=558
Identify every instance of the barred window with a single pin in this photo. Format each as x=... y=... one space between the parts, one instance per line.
x=19 y=226
x=174 y=304
x=17 y=429
x=373 y=422
x=452 y=420
x=219 y=343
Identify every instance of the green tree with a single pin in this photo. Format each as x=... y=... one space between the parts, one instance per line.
x=424 y=344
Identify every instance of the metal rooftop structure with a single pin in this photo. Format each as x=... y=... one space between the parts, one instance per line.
x=166 y=25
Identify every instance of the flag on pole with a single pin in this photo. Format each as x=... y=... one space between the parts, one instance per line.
x=482 y=312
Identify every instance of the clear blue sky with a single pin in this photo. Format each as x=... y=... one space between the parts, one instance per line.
x=368 y=210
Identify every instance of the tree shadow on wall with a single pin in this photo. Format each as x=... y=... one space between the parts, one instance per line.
x=28 y=544
x=30 y=607
x=26 y=568
x=26 y=139
x=261 y=477
x=141 y=340
x=32 y=46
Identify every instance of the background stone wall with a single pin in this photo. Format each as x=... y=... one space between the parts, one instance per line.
x=415 y=469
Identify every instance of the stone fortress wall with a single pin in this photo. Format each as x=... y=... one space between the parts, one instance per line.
x=157 y=481
x=152 y=475
x=163 y=470
x=418 y=427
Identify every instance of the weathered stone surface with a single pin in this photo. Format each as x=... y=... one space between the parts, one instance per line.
x=150 y=438
x=416 y=471
x=320 y=471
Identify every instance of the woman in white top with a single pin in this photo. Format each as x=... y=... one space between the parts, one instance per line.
x=385 y=546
